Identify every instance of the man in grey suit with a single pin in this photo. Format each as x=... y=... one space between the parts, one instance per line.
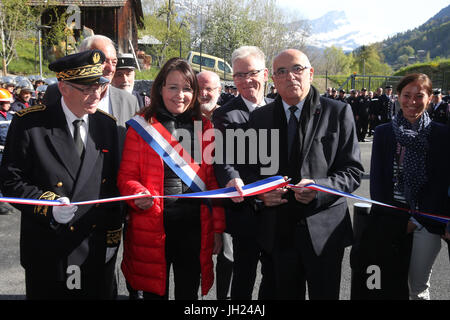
x=118 y=103
x=250 y=75
x=306 y=231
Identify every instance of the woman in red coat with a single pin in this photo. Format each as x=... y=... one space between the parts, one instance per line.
x=182 y=233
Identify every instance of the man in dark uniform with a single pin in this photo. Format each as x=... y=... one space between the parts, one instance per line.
x=353 y=101
x=124 y=78
x=439 y=109
x=374 y=111
x=67 y=151
x=225 y=96
x=362 y=120
x=447 y=97
x=387 y=105
x=273 y=92
x=341 y=96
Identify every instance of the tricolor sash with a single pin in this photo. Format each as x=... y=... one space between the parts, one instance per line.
x=170 y=150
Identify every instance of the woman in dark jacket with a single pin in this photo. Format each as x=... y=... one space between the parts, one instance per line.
x=409 y=169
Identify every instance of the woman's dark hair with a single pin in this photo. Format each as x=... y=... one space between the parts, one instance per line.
x=156 y=101
x=422 y=78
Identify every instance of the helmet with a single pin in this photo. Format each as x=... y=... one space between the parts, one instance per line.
x=42 y=88
x=9 y=81
x=25 y=85
x=50 y=81
x=5 y=95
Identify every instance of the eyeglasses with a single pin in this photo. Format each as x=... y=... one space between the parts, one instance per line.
x=90 y=89
x=245 y=75
x=283 y=72
x=208 y=89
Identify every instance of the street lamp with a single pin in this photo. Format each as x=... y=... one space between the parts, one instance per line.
x=39 y=29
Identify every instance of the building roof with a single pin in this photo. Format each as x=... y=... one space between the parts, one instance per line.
x=148 y=40
x=83 y=3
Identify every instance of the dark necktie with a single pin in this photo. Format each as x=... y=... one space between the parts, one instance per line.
x=292 y=128
x=77 y=136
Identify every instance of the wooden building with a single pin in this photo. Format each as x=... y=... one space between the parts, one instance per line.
x=117 y=19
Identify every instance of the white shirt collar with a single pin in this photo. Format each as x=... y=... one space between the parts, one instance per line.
x=252 y=106
x=70 y=118
x=297 y=113
x=104 y=103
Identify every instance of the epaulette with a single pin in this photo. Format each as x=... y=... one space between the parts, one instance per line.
x=106 y=113
x=38 y=107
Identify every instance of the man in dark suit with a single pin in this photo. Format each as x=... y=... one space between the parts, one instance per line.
x=250 y=75
x=306 y=231
x=67 y=151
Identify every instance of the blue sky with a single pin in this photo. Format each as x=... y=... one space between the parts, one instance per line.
x=385 y=16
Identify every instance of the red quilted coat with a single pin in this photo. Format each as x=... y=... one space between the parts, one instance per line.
x=144 y=264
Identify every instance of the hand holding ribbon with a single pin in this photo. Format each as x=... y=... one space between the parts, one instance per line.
x=144 y=203
x=302 y=194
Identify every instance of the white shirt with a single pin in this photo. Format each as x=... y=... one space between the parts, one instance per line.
x=297 y=113
x=105 y=103
x=70 y=118
x=252 y=106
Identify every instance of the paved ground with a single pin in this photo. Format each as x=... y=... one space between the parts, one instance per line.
x=12 y=276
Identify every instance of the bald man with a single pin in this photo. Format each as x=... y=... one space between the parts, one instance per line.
x=306 y=231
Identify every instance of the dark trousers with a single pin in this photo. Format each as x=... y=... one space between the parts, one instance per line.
x=224 y=272
x=47 y=283
x=246 y=254
x=299 y=265
x=183 y=254
x=361 y=127
x=386 y=246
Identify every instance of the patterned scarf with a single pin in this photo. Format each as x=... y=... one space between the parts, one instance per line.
x=414 y=137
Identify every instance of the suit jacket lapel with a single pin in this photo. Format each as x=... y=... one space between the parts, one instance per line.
x=63 y=142
x=280 y=123
x=243 y=109
x=311 y=127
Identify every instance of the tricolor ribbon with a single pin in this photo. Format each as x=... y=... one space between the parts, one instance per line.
x=317 y=187
x=252 y=189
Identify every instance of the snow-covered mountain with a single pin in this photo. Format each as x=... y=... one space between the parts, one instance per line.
x=334 y=28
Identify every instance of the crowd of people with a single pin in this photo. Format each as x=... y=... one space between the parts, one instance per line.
x=371 y=109
x=92 y=137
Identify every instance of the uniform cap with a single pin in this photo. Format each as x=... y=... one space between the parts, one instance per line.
x=83 y=68
x=125 y=61
x=437 y=92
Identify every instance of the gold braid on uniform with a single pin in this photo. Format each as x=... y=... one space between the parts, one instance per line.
x=113 y=237
x=48 y=195
x=81 y=72
x=106 y=113
x=38 y=107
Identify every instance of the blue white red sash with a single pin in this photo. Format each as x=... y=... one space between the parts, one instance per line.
x=166 y=146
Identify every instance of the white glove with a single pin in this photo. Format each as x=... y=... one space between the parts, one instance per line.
x=63 y=214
